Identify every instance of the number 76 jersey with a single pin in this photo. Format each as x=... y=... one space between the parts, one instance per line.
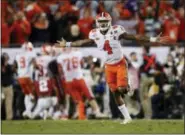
x=71 y=65
x=109 y=43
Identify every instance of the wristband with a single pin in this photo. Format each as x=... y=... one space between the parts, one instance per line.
x=153 y=39
x=68 y=44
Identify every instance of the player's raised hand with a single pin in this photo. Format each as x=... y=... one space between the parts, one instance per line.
x=62 y=42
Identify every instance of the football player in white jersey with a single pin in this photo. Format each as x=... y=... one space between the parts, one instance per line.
x=44 y=85
x=75 y=85
x=24 y=63
x=107 y=38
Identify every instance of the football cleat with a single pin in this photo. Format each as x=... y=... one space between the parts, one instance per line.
x=101 y=115
x=26 y=114
x=64 y=117
x=126 y=121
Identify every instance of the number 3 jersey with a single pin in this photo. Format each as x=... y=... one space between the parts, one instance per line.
x=24 y=64
x=71 y=65
x=109 y=43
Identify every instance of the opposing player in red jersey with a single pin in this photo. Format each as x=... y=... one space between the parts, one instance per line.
x=44 y=84
x=107 y=38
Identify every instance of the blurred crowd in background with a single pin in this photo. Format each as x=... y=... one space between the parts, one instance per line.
x=159 y=87
x=47 y=21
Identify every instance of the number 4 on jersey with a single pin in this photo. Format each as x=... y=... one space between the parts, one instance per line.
x=107 y=47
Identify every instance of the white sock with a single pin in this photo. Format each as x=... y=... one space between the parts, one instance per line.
x=124 y=111
x=28 y=103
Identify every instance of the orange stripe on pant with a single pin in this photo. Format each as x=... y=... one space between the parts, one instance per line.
x=117 y=75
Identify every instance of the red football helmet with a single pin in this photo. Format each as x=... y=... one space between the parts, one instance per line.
x=103 y=21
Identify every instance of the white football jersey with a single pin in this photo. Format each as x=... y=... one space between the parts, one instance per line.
x=24 y=64
x=109 y=43
x=71 y=65
x=43 y=62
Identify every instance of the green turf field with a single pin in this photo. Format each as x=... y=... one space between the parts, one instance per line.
x=92 y=126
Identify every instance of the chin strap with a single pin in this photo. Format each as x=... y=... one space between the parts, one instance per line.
x=104 y=32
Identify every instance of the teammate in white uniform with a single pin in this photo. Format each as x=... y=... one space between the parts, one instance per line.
x=44 y=84
x=24 y=66
x=75 y=85
x=71 y=64
x=107 y=38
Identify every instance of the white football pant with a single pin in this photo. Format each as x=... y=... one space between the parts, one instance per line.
x=28 y=105
x=43 y=104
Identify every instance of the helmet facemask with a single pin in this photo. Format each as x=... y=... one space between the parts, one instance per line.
x=103 y=25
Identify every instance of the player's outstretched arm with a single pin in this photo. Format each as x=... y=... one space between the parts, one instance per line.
x=141 y=38
x=78 y=43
